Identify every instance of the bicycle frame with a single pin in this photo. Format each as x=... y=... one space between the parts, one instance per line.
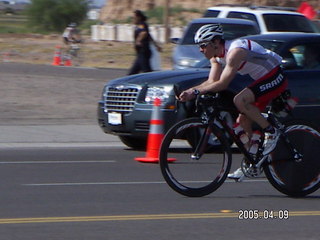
x=256 y=160
x=251 y=159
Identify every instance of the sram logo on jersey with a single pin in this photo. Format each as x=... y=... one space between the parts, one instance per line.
x=273 y=83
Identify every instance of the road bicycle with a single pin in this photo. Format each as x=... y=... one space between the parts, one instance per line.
x=200 y=167
x=73 y=54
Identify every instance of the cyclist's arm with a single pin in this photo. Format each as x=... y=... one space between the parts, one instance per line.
x=218 y=79
x=233 y=62
x=75 y=36
x=214 y=75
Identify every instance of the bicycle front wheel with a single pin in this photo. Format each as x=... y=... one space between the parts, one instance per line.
x=187 y=175
x=296 y=177
x=77 y=57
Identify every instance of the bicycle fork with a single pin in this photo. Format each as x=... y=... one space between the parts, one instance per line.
x=201 y=146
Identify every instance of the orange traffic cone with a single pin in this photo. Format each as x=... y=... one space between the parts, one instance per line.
x=155 y=136
x=57 y=57
x=67 y=60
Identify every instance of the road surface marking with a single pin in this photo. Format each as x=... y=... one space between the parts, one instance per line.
x=58 y=162
x=139 y=217
x=123 y=183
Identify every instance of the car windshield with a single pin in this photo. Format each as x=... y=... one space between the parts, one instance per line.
x=231 y=31
x=288 y=23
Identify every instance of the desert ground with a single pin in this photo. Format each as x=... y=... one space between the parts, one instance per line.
x=40 y=49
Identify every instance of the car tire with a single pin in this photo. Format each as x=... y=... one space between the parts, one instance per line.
x=133 y=142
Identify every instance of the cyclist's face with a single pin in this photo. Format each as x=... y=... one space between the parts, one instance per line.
x=210 y=49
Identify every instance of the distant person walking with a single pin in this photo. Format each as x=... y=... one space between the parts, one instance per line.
x=142 y=40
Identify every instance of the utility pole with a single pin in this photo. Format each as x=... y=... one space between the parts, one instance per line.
x=166 y=16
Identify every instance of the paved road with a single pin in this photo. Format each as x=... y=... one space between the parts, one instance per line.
x=62 y=178
x=102 y=193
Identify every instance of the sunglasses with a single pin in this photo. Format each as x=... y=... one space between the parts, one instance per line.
x=204 y=45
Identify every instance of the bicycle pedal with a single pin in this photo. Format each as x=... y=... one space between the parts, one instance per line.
x=240 y=179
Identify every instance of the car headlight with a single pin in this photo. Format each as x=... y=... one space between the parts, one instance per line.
x=187 y=62
x=158 y=92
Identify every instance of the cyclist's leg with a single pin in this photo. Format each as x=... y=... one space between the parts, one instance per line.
x=245 y=103
x=251 y=102
x=65 y=52
x=76 y=56
x=246 y=124
x=264 y=91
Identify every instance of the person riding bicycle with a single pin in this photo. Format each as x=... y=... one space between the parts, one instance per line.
x=241 y=56
x=71 y=38
x=71 y=34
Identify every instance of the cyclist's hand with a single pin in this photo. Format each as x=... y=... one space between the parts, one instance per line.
x=186 y=95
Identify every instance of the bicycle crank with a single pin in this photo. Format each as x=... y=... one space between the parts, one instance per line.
x=250 y=170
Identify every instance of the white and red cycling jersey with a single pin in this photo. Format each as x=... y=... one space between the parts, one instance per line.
x=263 y=66
x=259 y=61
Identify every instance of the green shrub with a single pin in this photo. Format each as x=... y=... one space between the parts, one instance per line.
x=55 y=15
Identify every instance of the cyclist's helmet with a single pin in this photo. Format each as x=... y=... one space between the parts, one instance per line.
x=73 y=25
x=207 y=32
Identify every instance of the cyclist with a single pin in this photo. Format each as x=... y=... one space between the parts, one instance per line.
x=71 y=34
x=71 y=38
x=241 y=56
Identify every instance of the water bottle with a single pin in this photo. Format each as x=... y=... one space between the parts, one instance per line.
x=241 y=133
x=255 y=140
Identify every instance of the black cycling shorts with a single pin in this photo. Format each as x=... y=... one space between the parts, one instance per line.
x=268 y=87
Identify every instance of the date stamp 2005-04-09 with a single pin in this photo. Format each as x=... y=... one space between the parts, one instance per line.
x=253 y=214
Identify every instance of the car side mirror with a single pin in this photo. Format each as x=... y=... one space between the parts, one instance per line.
x=174 y=40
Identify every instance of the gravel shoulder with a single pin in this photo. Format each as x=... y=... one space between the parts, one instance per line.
x=40 y=49
x=33 y=94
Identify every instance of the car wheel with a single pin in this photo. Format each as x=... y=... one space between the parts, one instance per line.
x=133 y=142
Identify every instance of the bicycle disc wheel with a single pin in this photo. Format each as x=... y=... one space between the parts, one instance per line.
x=189 y=176
x=296 y=178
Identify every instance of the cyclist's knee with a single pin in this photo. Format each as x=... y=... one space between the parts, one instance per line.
x=244 y=100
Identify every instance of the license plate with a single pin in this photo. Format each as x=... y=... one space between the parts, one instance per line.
x=114 y=118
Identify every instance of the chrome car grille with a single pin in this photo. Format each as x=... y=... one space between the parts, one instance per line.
x=120 y=99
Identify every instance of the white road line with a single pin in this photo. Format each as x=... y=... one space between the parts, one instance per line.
x=123 y=183
x=61 y=145
x=58 y=162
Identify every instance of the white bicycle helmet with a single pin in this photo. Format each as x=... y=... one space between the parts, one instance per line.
x=73 y=25
x=207 y=32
